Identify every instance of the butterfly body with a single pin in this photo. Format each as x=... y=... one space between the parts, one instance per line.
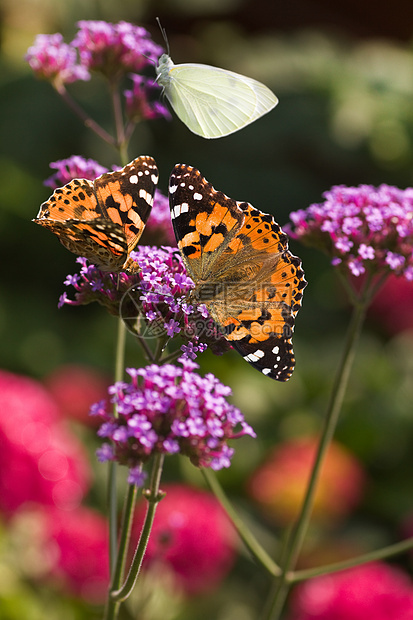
x=243 y=271
x=213 y=102
x=103 y=219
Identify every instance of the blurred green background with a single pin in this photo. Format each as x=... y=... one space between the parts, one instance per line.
x=344 y=78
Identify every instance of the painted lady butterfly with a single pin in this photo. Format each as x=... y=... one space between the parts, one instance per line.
x=243 y=272
x=103 y=219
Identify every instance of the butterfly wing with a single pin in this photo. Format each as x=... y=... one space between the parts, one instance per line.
x=213 y=102
x=126 y=196
x=203 y=219
x=259 y=319
x=74 y=215
x=243 y=270
x=103 y=219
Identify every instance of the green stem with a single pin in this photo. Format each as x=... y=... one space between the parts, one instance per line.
x=112 y=481
x=84 y=117
x=112 y=607
x=122 y=142
x=333 y=411
x=246 y=536
x=379 y=554
x=153 y=496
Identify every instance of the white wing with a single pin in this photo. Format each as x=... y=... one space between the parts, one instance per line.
x=213 y=102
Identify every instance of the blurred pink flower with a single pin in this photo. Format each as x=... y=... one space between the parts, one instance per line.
x=373 y=591
x=279 y=484
x=78 y=546
x=52 y=59
x=192 y=536
x=40 y=461
x=158 y=230
x=75 y=388
x=392 y=307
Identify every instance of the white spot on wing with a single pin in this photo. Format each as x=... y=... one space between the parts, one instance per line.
x=133 y=179
x=146 y=196
x=197 y=196
x=179 y=209
x=172 y=189
x=254 y=357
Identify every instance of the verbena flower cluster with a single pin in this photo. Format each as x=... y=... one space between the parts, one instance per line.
x=74 y=167
x=113 y=50
x=362 y=228
x=140 y=100
x=52 y=59
x=158 y=294
x=168 y=409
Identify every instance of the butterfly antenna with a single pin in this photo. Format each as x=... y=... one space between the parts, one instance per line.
x=163 y=32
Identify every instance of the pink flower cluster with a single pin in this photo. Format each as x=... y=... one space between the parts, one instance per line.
x=74 y=547
x=52 y=59
x=44 y=475
x=113 y=50
x=192 y=536
x=375 y=591
x=364 y=229
x=40 y=461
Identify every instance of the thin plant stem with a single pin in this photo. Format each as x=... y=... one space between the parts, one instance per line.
x=112 y=478
x=84 y=116
x=122 y=142
x=245 y=534
x=333 y=411
x=153 y=496
x=379 y=554
x=112 y=606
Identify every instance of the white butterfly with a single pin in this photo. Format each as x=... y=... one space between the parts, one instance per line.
x=213 y=102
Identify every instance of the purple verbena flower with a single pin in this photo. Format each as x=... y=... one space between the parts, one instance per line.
x=137 y=476
x=170 y=409
x=141 y=100
x=158 y=292
x=363 y=229
x=52 y=59
x=74 y=167
x=114 y=49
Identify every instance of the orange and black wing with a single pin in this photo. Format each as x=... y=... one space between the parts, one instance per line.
x=243 y=270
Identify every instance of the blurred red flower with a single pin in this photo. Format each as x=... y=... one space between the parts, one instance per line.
x=75 y=388
x=192 y=536
x=392 y=307
x=279 y=484
x=373 y=591
x=40 y=460
x=79 y=539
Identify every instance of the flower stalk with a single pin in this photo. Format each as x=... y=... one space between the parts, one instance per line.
x=153 y=496
x=296 y=538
